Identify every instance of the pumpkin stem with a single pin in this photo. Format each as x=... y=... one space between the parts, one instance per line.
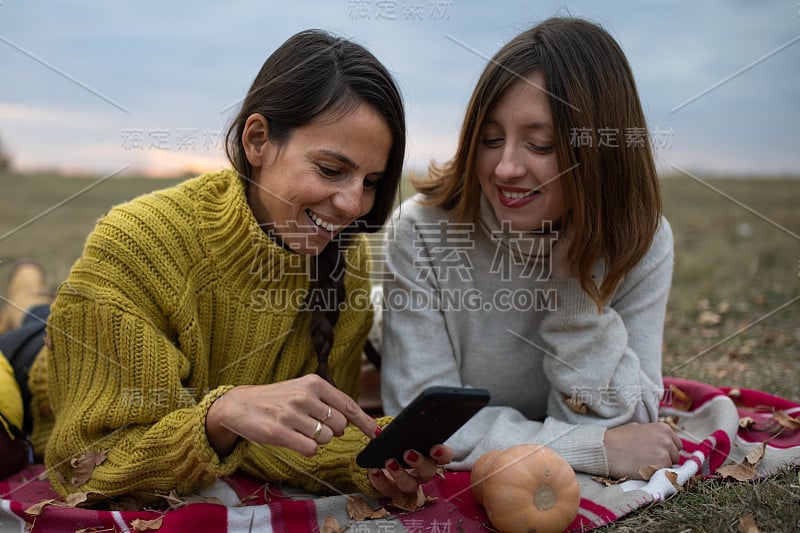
x=544 y=498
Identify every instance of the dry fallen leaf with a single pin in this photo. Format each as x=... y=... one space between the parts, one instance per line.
x=709 y=319
x=608 y=482
x=37 y=508
x=410 y=502
x=740 y=472
x=83 y=466
x=147 y=525
x=680 y=400
x=76 y=498
x=746 y=470
x=173 y=500
x=747 y=524
x=786 y=421
x=331 y=525
x=672 y=422
x=756 y=454
x=735 y=393
x=647 y=472
x=673 y=478
x=575 y=405
x=746 y=421
x=359 y=509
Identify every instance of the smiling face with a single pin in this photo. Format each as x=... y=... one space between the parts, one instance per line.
x=515 y=159
x=320 y=180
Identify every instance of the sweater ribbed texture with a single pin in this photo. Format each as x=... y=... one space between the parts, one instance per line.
x=179 y=296
x=495 y=322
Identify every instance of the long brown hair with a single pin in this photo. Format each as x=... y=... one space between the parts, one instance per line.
x=310 y=75
x=612 y=194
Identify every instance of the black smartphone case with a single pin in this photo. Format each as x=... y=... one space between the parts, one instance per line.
x=430 y=419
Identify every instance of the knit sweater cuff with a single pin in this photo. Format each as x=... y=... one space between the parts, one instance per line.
x=583 y=448
x=228 y=464
x=571 y=299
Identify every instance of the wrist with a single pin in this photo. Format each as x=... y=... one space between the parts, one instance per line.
x=221 y=439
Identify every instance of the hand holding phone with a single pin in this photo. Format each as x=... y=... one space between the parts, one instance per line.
x=430 y=419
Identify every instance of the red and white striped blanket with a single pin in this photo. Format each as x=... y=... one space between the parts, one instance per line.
x=707 y=419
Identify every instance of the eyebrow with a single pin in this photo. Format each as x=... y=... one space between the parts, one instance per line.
x=340 y=157
x=530 y=126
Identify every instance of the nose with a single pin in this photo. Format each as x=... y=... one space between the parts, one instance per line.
x=351 y=199
x=510 y=165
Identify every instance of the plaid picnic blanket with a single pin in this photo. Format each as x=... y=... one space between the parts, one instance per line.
x=746 y=432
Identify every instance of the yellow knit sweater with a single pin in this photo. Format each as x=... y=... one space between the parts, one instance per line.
x=177 y=297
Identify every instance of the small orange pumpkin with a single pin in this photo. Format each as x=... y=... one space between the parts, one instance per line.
x=480 y=471
x=528 y=488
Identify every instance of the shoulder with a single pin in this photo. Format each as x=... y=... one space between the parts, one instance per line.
x=165 y=213
x=157 y=231
x=152 y=209
x=655 y=268
x=663 y=242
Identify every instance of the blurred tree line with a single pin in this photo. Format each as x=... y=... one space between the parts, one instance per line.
x=5 y=158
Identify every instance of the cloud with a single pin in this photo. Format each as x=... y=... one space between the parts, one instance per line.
x=14 y=114
x=174 y=65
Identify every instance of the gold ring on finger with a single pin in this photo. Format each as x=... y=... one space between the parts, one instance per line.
x=317 y=430
x=328 y=415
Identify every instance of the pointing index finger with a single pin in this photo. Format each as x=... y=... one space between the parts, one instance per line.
x=351 y=410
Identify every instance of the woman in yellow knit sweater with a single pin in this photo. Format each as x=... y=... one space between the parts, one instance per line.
x=203 y=327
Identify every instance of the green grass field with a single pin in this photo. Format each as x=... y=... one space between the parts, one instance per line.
x=733 y=317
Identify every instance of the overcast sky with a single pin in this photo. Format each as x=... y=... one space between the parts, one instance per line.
x=151 y=86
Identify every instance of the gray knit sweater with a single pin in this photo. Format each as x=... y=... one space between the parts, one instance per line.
x=461 y=309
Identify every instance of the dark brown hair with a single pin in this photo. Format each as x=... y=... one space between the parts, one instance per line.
x=612 y=194
x=316 y=75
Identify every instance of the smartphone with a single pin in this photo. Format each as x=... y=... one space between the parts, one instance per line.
x=430 y=419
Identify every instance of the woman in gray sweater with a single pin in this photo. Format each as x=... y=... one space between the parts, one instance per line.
x=537 y=264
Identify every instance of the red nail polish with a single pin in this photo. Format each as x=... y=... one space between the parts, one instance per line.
x=412 y=456
x=438 y=451
x=394 y=466
x=375 y=473
x=378 y=431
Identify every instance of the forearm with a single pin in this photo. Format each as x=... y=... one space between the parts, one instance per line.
x=591 y=363
x=498 y=428
x=171 y=454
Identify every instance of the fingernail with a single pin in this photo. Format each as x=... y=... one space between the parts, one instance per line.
x=394 y=466
x=412 y=456
x=438 y=451
x=375 y=473
x=378 y=431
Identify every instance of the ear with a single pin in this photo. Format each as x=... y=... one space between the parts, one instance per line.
x=255 y=139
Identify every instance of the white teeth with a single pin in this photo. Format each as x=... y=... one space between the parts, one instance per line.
x=515 y=195
x=321 y=223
